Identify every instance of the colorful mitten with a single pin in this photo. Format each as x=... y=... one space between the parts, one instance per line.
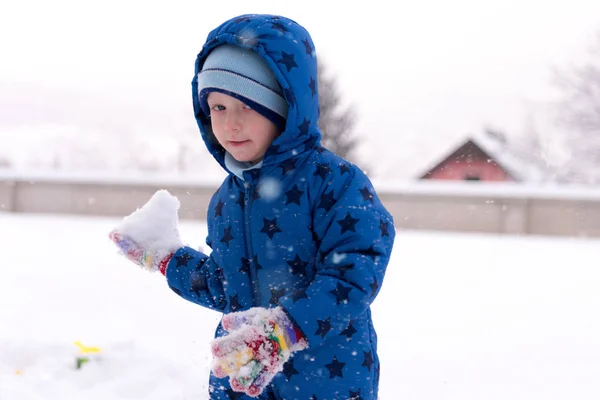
x=149 y=236
x=259 y=342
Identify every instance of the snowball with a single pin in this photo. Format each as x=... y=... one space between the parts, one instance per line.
x=155 y=225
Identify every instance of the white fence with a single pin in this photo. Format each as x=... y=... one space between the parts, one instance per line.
x=430 y=205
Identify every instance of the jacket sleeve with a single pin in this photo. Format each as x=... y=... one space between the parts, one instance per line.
x=355 y=235
x=195 y=276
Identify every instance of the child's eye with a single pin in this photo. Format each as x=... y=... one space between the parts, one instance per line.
x=217 y=107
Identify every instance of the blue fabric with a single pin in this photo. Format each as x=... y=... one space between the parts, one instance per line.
x=306 y=231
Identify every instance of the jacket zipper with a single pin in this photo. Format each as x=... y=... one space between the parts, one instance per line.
x=248 y=193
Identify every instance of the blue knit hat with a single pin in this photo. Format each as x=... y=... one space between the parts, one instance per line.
x=243 y=74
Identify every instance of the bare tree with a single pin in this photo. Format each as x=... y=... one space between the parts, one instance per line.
x=578 y=113
x=336 y=121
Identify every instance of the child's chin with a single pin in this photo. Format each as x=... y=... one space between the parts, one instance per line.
x=247 y=159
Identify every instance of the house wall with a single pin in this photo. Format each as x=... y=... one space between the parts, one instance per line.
x=497 y=208
x=461 y=169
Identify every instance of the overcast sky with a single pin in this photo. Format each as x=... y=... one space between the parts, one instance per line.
x=420 y=72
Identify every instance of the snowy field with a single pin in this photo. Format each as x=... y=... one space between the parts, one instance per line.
x=465 y=317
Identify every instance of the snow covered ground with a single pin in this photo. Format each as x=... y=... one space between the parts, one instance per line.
x=466 y=317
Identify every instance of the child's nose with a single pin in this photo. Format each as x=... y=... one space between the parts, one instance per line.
x=233 y=122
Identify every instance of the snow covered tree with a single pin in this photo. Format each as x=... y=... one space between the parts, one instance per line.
x=335 y=120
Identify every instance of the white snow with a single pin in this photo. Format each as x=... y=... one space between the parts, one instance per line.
x=270 y=189
x=490 y=189
x=155 y=225
x=466 y=317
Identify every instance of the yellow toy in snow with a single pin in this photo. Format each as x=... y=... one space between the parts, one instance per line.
x=84 y=353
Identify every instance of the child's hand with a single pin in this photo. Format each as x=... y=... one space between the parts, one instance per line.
x=259 y=343
x=151 y=260
x=149 y=236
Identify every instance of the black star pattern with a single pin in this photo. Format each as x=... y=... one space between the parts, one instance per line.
x=298 y=266
x=256 y=193
x=289 y=95
x=197 y=283
x=303 y=127
x=324 y=327
x=276 y=295
x=368 y=362
x=245 y=265
x=200 y=264
x=289 y=370
x=183 y=260
x=313 y=86
x=315 y=237
x=322 y=171
x=270 y=227
x=234 y=303
x=313 y=397
x=320 y=149
x=310 y=143
x=370 y=252
x=344 y=268
x=287 y=59
x=219 y=209
x=245 y=268
x=322 y=256
x=344 y=168
x=220 y=300
x=299 y=294
x=176 y=290
x=288 y=165
x=233 y=395
x=349 y=331
x=341 y=293
x=374 y=287
x=254 y=173
x=366 y=195
x=335 y=368
x=227 y=237
x=279 y=27
x=240 y=200
x=354 y=395
x=327 y=201
x=348 y=223
x=384 y=227
x=307 y=47
x=293 y=195
x=274 y=149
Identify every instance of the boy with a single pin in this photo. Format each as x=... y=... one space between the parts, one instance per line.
x=300 y=241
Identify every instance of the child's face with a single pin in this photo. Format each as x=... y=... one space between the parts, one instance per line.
x=243 y=132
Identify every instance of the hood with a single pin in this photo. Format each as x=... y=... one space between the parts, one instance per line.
x=288 y=50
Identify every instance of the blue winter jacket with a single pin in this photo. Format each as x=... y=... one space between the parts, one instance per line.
x=306 y=232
